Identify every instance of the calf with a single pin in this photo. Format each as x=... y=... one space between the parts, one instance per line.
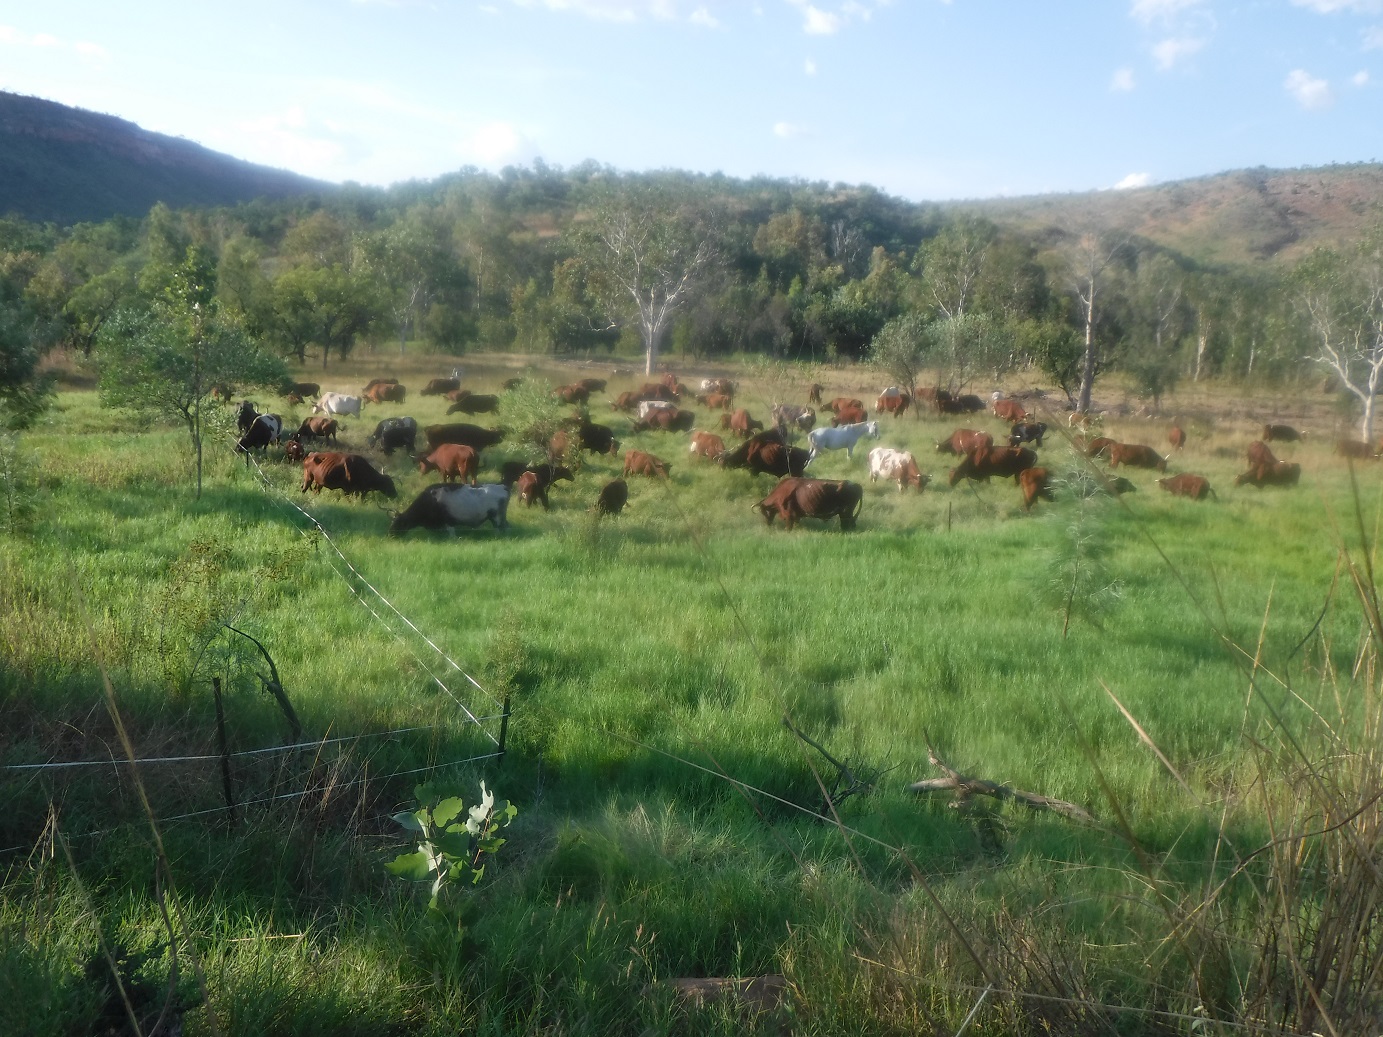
x=1177 y=437
x=1009 y=410
x=1197 y=487
x=637 y=462
x=533 y=483
x=318 y=428
x=964 y=441
x=1278 y=473
x=1135 y=455
x=453 y=461
x=707 y=445
x=896 y=464
x=1034 y=483
x=614 y=495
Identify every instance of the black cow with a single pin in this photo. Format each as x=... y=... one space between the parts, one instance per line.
x=394 y=433
x=1027 y=432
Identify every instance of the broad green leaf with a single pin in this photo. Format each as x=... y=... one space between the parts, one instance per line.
x=410 y=821
x=415 y=867
x=445 y=811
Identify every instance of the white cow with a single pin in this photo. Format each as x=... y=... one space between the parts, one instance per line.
x=647 y=407
x=337 y=403
x=845 y=437
x=896 y=464
x=450 y=506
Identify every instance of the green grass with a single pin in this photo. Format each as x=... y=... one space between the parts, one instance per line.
x=679 y=634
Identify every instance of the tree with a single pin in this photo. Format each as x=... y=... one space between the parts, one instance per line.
x=164 y=361
x=953 y=262
x=901 y=350
x=1342 y=295
x=23 y=392
x=412 y=263
x=326 y=306
x=1088 y=264
x=963 y=347
x=646 y=259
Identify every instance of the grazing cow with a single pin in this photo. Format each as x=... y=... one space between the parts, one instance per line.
x=785 y=414
x=849 y=416
x=741 y=455
x=741 y=423
x=384 y=392
x=352 y=474
x=1356 y=449
x=637 y=462
x=533 y=483
x=510 y=384
x=597 y=439
x=722 y=386
x=1117 y=485
x=468 y=435
x=969 y=403
x=378 y=381
x=453 y=461
x=715 y=400
x=655 y=391
x=647 y=407
x=674 y=420
x=440 y=386
x=1278 y=473
x=575 y=393
x=393 y=433
x=778 y=460
x=265 y=429
x=318 y=428
x=964 y=441
x=337 y=403
x=614 y=495
x=814 y=393
x=293 y=449
x=1034 y=482
x=1197 y=487
x=476 y=403
x=1098 y=447
x=626 y=401
x=457 y=395
x=592 y=384
x=892 y=401
x=1177 y=437
x=1003 y=461
x=1009 y=410
x=844 y=403
x=1280 y=434
x=1135 y=455
x=796 y=499
x=843 y=438
x=896 y=464
x=450 y=507
x=300 y=389
x=706 y=444
x=1027 y=432
x=245 y=416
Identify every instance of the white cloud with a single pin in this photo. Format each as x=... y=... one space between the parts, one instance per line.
x=1360 y=78
x=1311 y=93
x=1173 y=50
x=43 y=39
x=1133 y=180
x=1122 y=80
x=285 y=140
x=1334 y=6
x=601 y=10
x=809 y=67
x=497 y=144
x=787 y=130
x=1373 y=38
x=817 y=21
x=90 y=50
x=1149 y=11
x=9 y=34
x=821 y=23
x=701 y=16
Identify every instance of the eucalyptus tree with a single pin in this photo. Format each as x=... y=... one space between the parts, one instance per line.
x=952 y=264
x=1089 y=264
x=646 y=253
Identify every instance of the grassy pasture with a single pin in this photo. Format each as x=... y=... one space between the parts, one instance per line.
x=648 y=658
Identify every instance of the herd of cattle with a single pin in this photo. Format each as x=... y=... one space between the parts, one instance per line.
x=453 y=450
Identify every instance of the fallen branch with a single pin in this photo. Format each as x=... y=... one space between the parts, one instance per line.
x=965 y=786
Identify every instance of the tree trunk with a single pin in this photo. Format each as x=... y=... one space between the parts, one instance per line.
x=1366 y=423
x=1087 y=374
x=1202 y=340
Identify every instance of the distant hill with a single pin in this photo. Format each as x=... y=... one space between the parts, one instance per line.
x=1246 y=217
x=67 y=165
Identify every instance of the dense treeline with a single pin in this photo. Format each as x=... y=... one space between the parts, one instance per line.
x=586 y=261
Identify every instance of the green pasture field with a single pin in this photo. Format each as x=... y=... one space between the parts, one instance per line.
x=667 y=815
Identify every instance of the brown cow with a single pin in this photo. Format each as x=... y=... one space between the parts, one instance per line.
x=741 y=456
x=1197 y=487
x=532 y=484
x=707 y=445
x=293 y=449
x=384 y=392
x=844 y=401
x=1280 y=434
x=350 y=473
x=1259 y=454
x=1356 y=449
x=378 y=381
x=1009 y=410
x=318 y=428
x=1278 y=473
x=674 y=420
x=637 y=462
x=1034 y=482
x=1003 y=461
x=592 y=384
x=453 y=461
x=656 y=391
x=797 y=498
x=896 y=404
x=849 y=416
x=742 y=424
x=1177 y=437
x=626 y=401
x=614 y=495
x=1098 y=447
x=440 y=386
x=814 y=393
x=964 y=441
x=574 y=393
x=457 y=395
x=1135 y=455
x=715 y=400
x=779 y=460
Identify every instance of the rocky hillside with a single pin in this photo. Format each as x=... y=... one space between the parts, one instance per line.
x=67 y=165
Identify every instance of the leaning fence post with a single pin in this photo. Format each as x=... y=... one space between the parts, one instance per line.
x=503 y=728
x=225 y=752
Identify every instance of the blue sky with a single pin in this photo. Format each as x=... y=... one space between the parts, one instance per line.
x=926 y=99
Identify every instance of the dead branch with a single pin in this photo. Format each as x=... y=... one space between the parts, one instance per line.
x=274 y=686
x=846 y=783
x=965 y=786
